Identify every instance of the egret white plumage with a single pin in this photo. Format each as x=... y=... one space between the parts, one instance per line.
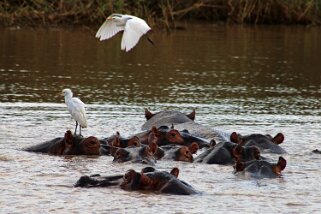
x=133 y=28
x=76 y=108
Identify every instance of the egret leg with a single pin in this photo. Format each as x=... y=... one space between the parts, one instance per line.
x=80 y=130
x=76 y=128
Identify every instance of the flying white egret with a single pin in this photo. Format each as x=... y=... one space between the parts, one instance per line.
x=132 y=26
x=76 y=108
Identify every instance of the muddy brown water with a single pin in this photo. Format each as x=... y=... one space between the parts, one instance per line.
x=245 y=79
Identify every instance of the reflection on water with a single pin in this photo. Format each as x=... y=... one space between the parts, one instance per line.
x=246 y=79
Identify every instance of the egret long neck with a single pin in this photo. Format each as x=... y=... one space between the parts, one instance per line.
x=67 y=98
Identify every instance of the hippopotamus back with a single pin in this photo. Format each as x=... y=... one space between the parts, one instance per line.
x=183 y=121
x=166 y=118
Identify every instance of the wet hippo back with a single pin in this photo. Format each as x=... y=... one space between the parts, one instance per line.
x=183 y=121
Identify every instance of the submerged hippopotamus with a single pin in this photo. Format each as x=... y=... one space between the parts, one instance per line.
x=182 y=153
x=227 y=153
x=122 y=142
x=69 y=145
x=156 y=181
x=183 y=121
x=149 y=179
x=260 y=168
x=165 y=135
x=143 y=154
x=266 y=143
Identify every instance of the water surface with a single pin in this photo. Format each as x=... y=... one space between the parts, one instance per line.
x=244 y=79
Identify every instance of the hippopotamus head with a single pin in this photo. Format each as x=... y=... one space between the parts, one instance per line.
x=263 y=142
x=69 y=145
x=260 y=168
x=182 y=153
x=164 y=136
x=157 y=181
x=166 y=118
x=143 y=154
x=77 y=146
x=118 y=141
x=245 y=153
x=226 y=153
x=121 y=142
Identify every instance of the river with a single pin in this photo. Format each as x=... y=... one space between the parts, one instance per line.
x=238 y=78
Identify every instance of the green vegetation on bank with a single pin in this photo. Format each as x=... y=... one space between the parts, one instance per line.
x=162 y=13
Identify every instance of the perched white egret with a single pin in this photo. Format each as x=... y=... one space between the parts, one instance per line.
x=76 y=108
x=132 y=26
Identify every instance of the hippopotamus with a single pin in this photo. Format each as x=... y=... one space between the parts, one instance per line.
x=182 y=153
x=69 y=145
x=260 y=168
x=122 y=142
x=226 y=153
x=266 y=143
x=165 y=135
x=149 y=179
x=316 y=151
x=183 y=121
x=98 y=181
x=143 y=154
x=156 y=181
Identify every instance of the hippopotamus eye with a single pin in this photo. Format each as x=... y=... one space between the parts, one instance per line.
x=126 y=177
x=173 y=134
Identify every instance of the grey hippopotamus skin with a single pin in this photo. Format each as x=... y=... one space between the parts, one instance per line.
x=69 y=145
x=260 y=168
x=181 y=153
x=316 y=151
x=146 y=154
x=183 y=121
x=157 y=181
x=227 y=153
x=149 y=179
x=266 y=143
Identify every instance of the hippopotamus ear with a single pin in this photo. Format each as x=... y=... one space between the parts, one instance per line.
x=68 y=137
x=175 y=171
x=239 y=166
x=235 y=138
x=148 y=114
x=212 y=143
x=194 y=147
x=281 y=163
x=280 y=166
x=153 y=147
x=191 y=115
x=278 y=139
x=116 y=142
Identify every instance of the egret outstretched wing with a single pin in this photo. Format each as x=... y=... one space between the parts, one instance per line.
x=108 y=29
x=134 y=29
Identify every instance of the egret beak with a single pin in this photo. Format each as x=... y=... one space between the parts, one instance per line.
x=109 y=18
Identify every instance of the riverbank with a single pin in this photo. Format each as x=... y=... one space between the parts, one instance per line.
x=162 y=14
